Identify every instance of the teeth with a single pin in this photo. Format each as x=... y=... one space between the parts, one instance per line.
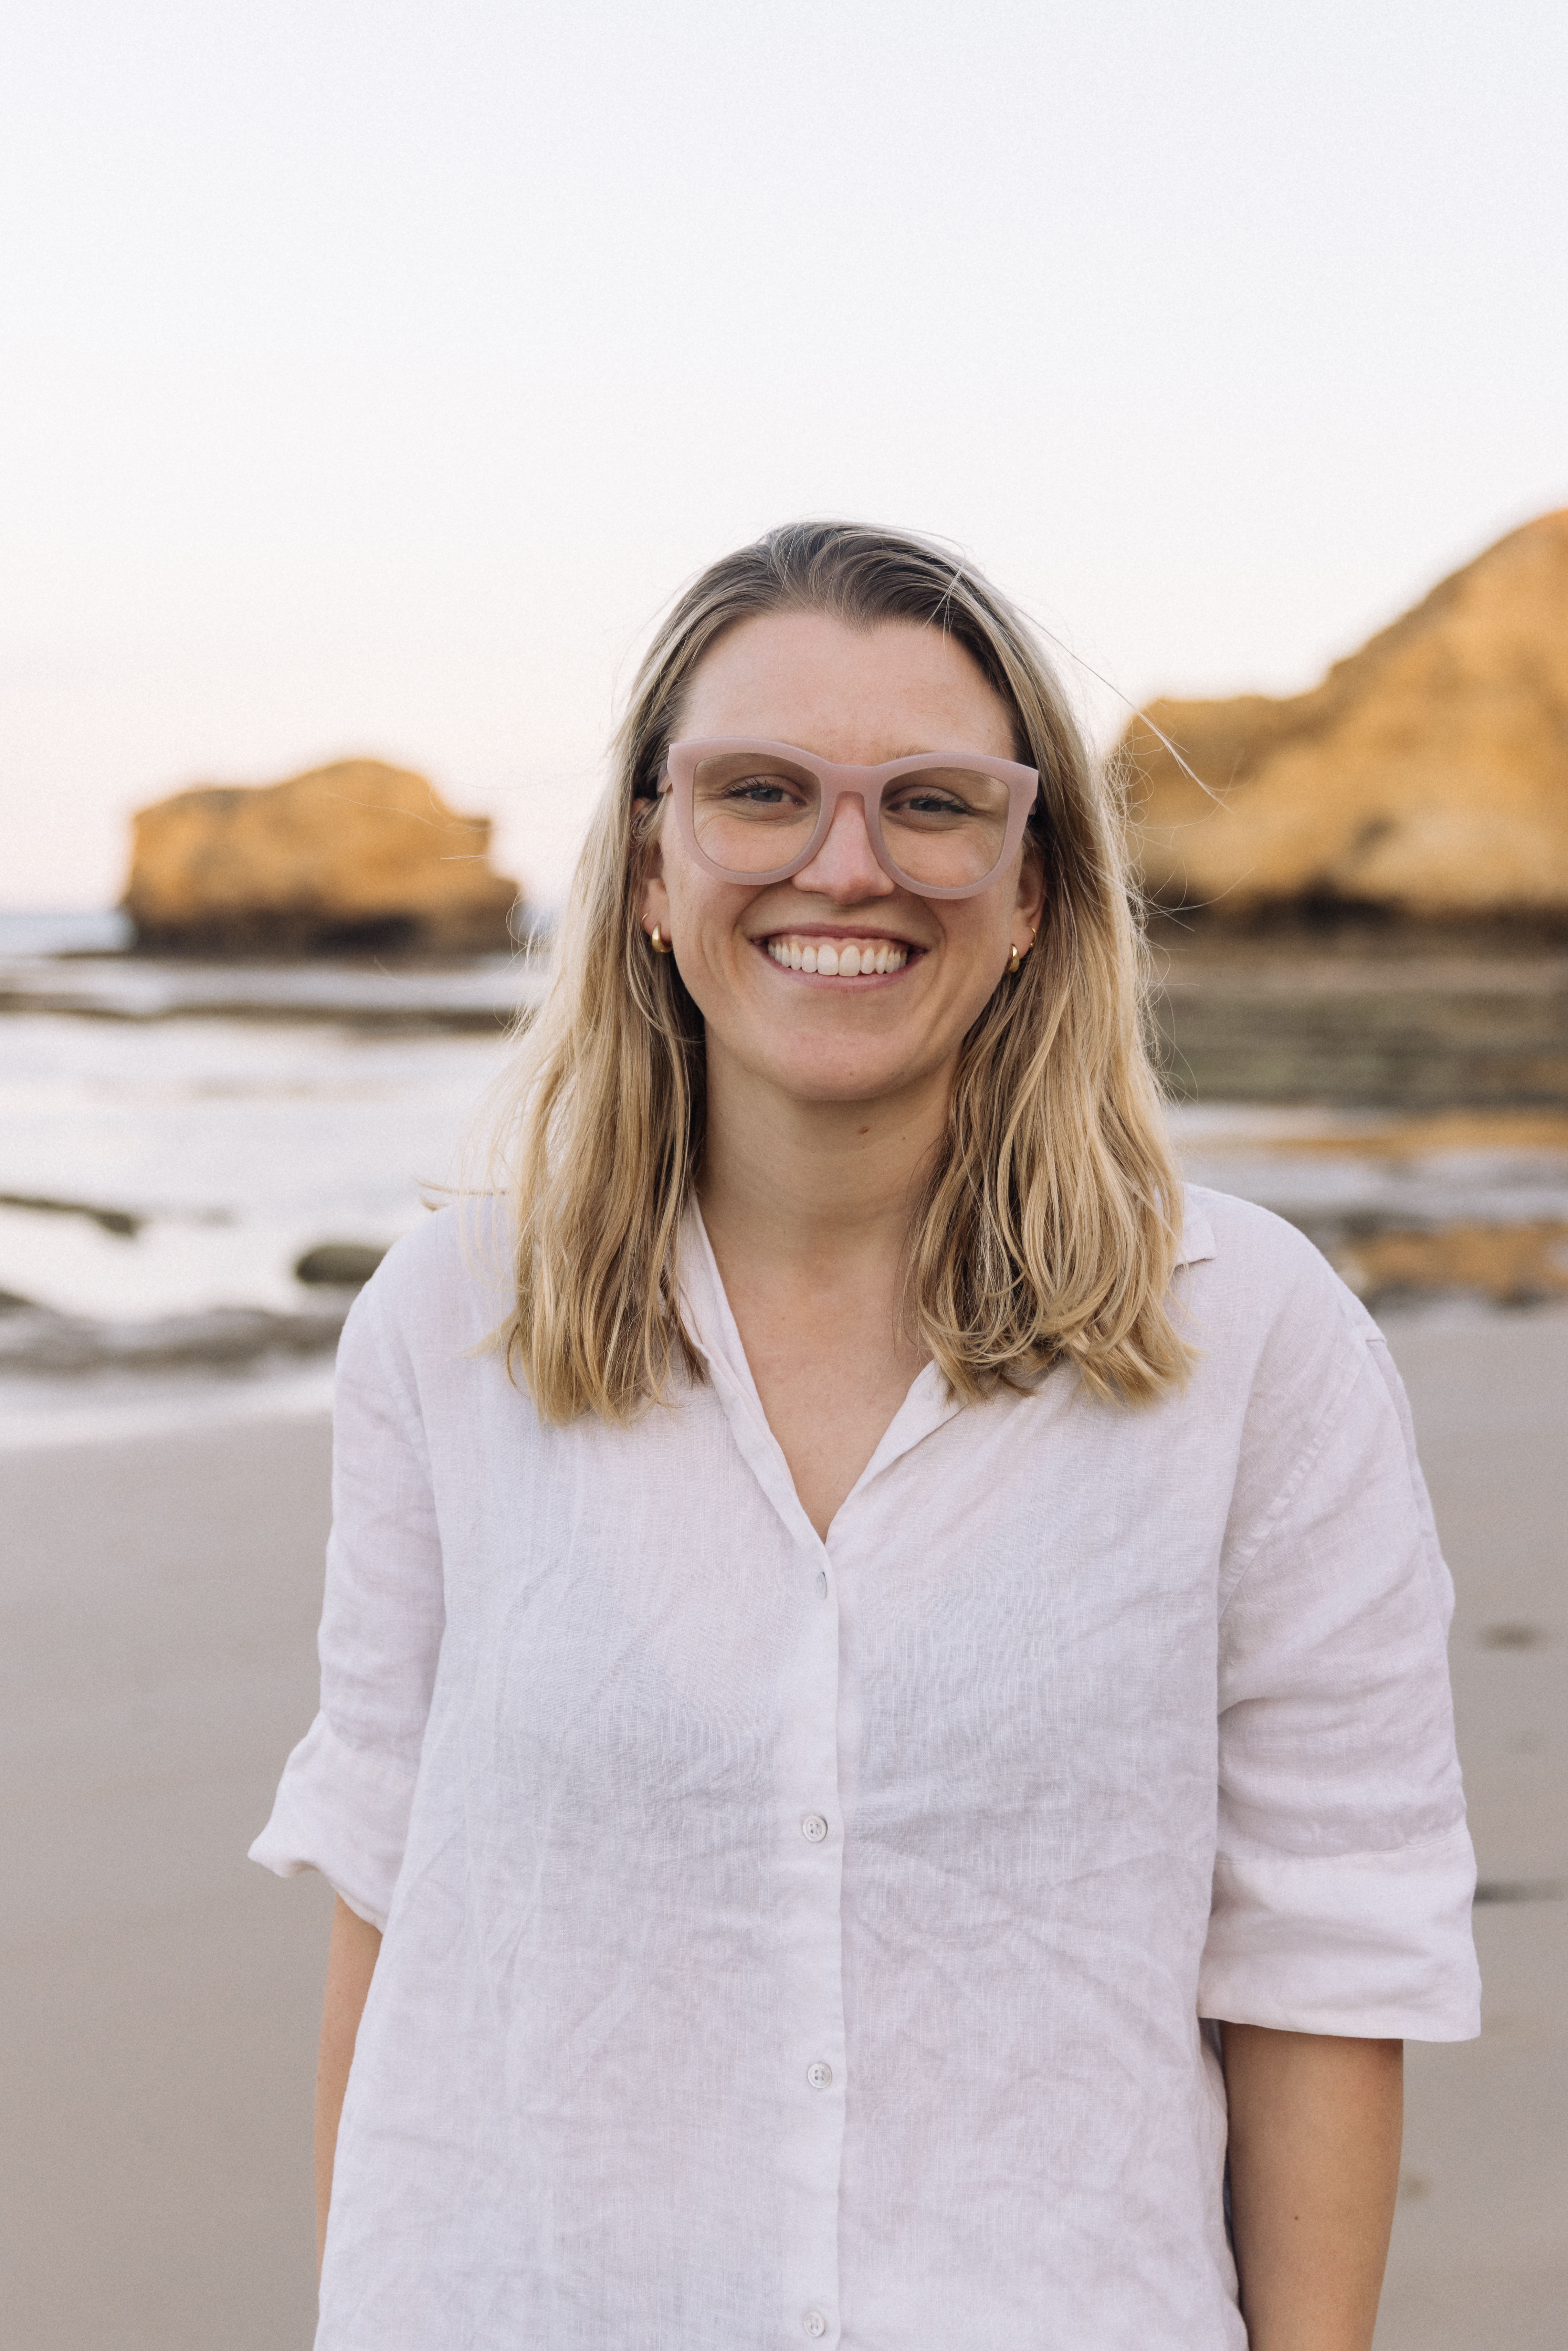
x=853 y=960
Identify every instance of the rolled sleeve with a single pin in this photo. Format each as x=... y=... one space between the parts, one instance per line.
x=344 y=1814
x=1344 y=1874
x=342 y=1806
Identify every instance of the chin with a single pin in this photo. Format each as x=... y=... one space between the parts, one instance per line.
x=847 y=1077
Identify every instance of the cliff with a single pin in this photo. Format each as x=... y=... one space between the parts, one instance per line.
x=355 y=856
x=1426 y=775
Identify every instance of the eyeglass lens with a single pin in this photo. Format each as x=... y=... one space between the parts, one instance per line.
x=942 y=826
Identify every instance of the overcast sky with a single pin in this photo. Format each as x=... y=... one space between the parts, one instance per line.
x=373 y=374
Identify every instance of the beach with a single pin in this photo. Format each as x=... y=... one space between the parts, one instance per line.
x=160 y=1993
x=373 y=602
x=180 y=1139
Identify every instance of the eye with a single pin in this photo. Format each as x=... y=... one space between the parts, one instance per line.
x=754 y=793
x=939 y=799
x=761 y=791
x=927 y=800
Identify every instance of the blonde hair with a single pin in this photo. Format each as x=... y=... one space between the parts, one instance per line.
x=1046 y=1231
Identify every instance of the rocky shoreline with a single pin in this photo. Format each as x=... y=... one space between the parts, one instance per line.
x=1415 y=1019
x=1413 y=1213
x=1399 y=1093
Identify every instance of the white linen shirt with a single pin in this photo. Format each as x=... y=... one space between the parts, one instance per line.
x=792 y=1941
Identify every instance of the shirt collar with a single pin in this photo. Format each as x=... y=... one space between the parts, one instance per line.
x=713 y=1331
x=712 y=1328
x=1196 y=1232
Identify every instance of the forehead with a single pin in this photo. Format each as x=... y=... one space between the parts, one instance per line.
x=856 y=695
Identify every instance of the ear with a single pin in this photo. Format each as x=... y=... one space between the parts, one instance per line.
x=654 y=900
x=1032 y=891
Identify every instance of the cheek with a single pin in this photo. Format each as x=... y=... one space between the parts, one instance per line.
x=977 y=932
x=705 y=919
x=682 y=890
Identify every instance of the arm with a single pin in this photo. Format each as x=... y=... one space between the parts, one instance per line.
x=351 y=1963
x=1315 y=2124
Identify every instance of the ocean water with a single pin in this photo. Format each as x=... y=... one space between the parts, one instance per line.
x=1322 y=1167
x=189 y=1164
x=174 y=1137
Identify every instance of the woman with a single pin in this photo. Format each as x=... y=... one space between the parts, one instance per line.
x=882 y=1675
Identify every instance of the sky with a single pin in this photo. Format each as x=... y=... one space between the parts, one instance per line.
x=371 y=375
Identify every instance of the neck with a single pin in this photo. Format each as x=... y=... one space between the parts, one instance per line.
x=805 y=1191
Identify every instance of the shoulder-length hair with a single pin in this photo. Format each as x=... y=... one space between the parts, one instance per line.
x=1045 y=1230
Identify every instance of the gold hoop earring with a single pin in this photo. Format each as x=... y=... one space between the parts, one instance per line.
x=659 y=945
x=1013 y=962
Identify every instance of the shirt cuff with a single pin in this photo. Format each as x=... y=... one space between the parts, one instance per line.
x=341 y=1812
x=1373 y=1944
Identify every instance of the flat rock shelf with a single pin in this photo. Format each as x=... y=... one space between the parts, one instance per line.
x=1400 y=1025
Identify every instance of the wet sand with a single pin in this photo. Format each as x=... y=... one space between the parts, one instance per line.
x=159 y=1994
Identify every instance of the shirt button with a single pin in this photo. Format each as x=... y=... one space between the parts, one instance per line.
x=820 y=2076
x=814 y=1828
x=814 y=2323
x=823 y=1588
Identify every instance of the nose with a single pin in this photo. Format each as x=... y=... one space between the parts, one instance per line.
x=844 y=868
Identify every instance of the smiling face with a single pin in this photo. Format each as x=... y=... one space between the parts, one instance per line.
x=839 y=984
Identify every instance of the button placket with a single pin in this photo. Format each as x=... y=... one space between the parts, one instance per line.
x=809 y=1763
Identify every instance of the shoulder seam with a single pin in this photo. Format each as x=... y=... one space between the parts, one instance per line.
x=398 y=1373
x=1291 y=1487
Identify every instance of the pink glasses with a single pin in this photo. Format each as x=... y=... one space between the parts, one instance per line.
x=943 y=823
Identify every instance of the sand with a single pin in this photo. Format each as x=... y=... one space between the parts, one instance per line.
x=1481 y=2250
x=159 y=1994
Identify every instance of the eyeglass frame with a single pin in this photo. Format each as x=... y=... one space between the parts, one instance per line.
x=866 y=784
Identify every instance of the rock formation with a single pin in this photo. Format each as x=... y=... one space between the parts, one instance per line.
x=1426 y=775
x=358 y=855
x=339 y=1265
